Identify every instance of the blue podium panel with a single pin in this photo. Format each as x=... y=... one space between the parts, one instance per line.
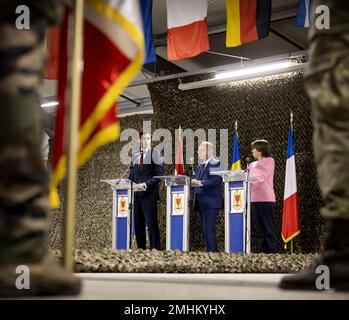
x=236 y=232
x=121 y=225
x=121 y=233
x=177 y=233
x=236 y=216
x=177 y=216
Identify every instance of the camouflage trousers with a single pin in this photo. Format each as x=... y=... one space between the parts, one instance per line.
x=24 y=209
x=22 y=60
x=327 y=83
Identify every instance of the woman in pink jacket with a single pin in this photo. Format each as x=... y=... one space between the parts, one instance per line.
x=262 y=195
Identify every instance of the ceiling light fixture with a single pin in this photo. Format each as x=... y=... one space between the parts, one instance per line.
x=49 y=104
x=245 y=73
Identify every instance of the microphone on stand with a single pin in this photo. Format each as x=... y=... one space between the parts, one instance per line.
x=248 y=161
x=247 y=207
x=191 y=191
x=123 y=175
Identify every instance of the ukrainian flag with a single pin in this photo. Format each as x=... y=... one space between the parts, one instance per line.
x=236 y=163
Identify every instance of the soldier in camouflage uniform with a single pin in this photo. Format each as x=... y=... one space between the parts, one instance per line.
x=327 y=83
x=24 y=208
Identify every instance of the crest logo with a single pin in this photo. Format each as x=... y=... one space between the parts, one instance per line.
x=237 y=200
x=178 y=199
x=122 y=205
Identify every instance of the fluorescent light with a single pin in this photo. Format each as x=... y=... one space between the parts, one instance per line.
x=257 y=70
x=49 y=104
x=245 y=73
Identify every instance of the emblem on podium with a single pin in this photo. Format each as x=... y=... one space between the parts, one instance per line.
x=237 y=200
x=177 y=203
x=122 y=206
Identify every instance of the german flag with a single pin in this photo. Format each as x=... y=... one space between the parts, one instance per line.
x=247 y=20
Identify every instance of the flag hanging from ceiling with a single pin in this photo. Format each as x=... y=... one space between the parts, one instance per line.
x=179 y=167
x=187 y=34
x=236 y=163
x=113 y=52
x=147 y=12
x=247 y=20
x=290 y=214
x=303 y=13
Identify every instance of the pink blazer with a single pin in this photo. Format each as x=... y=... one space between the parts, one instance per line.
x=262 y=186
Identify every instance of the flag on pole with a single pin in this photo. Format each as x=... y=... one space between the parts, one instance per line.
x=290 y=214
x=247 y=20
x=236 y=163
x=179 y=168
x=187 y=34
x=147 y=15
x=113 y=52
x=52 y=53
x=303 y=13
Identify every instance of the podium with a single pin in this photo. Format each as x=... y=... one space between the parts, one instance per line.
x=123 y=195
x=237 y=213
x=177 y=212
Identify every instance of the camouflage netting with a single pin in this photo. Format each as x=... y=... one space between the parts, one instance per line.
x=107 y=260
x=262 y=108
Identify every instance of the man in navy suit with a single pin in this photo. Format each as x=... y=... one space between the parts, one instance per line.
x=208 y=194
x=146 y=164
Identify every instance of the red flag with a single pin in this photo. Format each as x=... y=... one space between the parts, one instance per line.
x=52 y=53
x=113 y=53
x=179 y=169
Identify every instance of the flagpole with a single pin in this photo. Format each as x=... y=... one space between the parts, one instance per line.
x=291 y=122
x=72 y=138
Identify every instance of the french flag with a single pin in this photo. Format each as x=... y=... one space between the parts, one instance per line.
x=303 y=13
x=187 y=34
x=290 y=214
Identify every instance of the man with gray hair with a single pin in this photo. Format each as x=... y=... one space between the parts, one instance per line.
x=208 y=194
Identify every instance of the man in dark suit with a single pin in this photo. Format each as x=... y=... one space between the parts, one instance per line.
x=146 y=164
x=208 y=194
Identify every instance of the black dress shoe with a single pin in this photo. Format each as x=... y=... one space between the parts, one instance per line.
x=328 y=271
x=334 y=261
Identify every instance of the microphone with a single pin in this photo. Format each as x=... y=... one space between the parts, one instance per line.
x=135 y=157
x=248 y=161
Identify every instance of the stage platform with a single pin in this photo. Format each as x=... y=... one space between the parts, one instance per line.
x=243 y=286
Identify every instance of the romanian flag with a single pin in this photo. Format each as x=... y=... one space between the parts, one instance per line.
x=247 y=20
x=187 y=34
x=236 y=163
x=113 y=52
x=179 y=167
x=290 y=214
x=303 y=13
